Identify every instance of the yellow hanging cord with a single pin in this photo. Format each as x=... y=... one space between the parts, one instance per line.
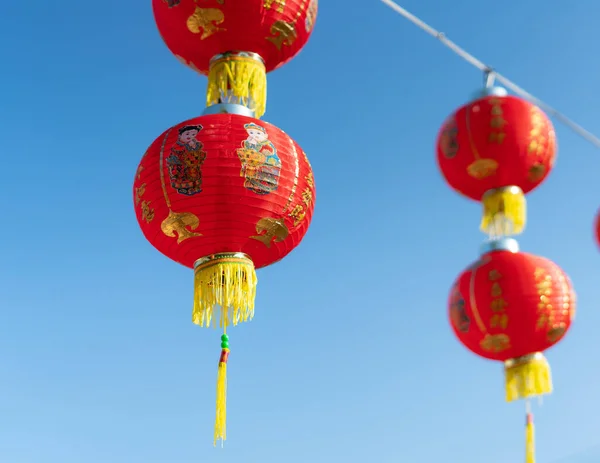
x=221 y=402
x=529 y=436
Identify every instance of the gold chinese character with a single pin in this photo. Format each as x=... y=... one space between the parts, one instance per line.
x=297 y=214
x=268 y=4
x=139 y=191
x=539 y=272
x=282 y=33
x=138 y=173
x=496 y=290
x=147 y=212
x=496 y=110
x=499 y=321
x=307 y=197
x=498 y=305
x=497 y=122
x=494 y=275
x=309 y=179
x=496 y=137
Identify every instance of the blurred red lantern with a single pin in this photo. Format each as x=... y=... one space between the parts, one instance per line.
x=511 y=306
x=235 y=43
x=494 y=150
x=224 y=194
x=598 y=227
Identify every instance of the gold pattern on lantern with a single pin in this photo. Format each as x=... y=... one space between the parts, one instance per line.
x=497 y=122
x=297 y=214
x=296 y=175
x=282 y=33
x=138 y=173
x=307 y=196
x=499 y=321
x=498 y=304
x=310 y=180
x=206 y=20
x=495 y=342
x=176 y=224
x=545 y=309
x=180 y=224
x=147 y=211
x=269 y=230
x=480 y=168
x=279 y=5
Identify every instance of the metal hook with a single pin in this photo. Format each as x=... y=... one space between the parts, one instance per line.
x=489 y=78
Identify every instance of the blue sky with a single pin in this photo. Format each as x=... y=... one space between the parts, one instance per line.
x=350 y=357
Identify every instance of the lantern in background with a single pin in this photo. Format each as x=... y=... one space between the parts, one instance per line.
x=235 y=43
x=495 y=149
x=511 y=306
x=597 y=230
x=224 y=194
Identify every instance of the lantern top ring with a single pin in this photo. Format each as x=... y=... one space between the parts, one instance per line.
x=237 y=54
x=500 y=244
x=536 y=356
x=214 y=258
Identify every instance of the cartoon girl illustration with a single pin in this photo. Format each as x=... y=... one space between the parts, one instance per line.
x=261 y=166
x=185 y=161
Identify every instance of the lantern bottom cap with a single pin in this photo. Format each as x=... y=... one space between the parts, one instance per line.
x=527 y=376
x=224 y=282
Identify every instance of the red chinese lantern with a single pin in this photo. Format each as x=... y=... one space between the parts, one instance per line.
x=511 y=306
x=598 y=228
x=495 y=149
x=235 y=43
x=224 y=194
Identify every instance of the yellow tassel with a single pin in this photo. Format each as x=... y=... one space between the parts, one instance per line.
x=227 y=281
x=504 y=211
x=239 y=76
x=529 y=440
x=527 y=376
x=221 y=413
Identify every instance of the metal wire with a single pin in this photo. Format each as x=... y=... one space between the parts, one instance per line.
x=491 y=73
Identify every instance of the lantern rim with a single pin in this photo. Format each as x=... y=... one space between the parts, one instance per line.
x=220 y=256
x=518 y=361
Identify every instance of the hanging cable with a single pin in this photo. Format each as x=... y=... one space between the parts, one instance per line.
x=491 y=74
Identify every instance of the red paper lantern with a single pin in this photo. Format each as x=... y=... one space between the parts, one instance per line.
x=224 y=194
x=511 y=306
x=208 y=36
x=495 y=149
x=598 y=228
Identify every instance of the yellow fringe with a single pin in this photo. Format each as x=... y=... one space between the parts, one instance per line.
x=221 y=415
x=242 y=77
x=529 y=440
x=527 y=376
x=227 y=281
x=504 y=211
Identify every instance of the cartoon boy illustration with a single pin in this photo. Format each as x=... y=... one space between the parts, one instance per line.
x=260 y=164
x=185 y=161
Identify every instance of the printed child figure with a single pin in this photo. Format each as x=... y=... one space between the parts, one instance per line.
x=260 y=164
x=185 y=161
